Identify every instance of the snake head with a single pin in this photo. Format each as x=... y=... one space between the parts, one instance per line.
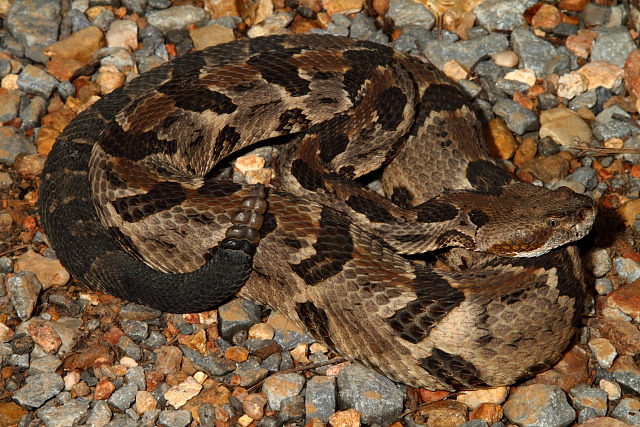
x=530 y=221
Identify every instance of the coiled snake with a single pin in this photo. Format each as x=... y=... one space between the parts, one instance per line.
x=131 y=204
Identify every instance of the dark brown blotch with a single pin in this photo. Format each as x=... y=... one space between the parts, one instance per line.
x=309 y=178
x=435 y=211
x=435 y=298
x=452 y=370
x=334 y=248
x=161 y=197
x=316 y=321
x=371 y=209
x=390 y=105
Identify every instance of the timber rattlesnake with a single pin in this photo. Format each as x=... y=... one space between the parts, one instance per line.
x=131 y=206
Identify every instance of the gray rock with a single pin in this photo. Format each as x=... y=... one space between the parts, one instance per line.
x=362 y=27
x=66 y=415
x=122 y=420
x=484 y=111
x=475 y=423
x=155 y=340
x=9 y=106
x=632 y=142
x=595 y=14
x=606 y=115
x=337 y=30
x=233 y=21
x=158 y=394
x=559 y=64
x=407 y=12
x=502 y=14
x=280 y=387
x=612 y=45
x=272 y=363
x=341 y=20
x=585 y=100
x=546 y=405
x=24 y=289
x=150 y=418
x=35 y=54
x=377 y=398
x=45 y=364
x=178 y=18
x=66 y=89
x=629 y=380
x=134 y=329
x=292 y=410
x=5 y=67
x=628 y=411
x=517 y=118
x=34 y=22
x=216 y=366
x=179 y=418
x=547 y=101
x=413 y=39
x=511 y=86
x=470 y=88
x=590 y=398
x=36 y=81
x=131 y=349
x=584 y=175
x=489 y=70
x=564 y=29
x=207 y=414
x=33 y=113
x=19 y=360
x=629 y=270
x=604 y=285
x=160 y=4
x=38 y=389
x=611 y=129
x=100 y=414
x=13 y=142
x=320 y=397
x=136 y=375
x=466 y=52
x=123 y=397
x=237 y=315
x=104 y=19
x=534 y=53
x=598 y=262
x=67 y=328
x=135 y=6
x=78 y=20
x=12 y=45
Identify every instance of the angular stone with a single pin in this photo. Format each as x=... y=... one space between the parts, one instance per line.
x=539 y=404
x=377 y=398
x=38 y=389
x=320 y=398
x=279 y=387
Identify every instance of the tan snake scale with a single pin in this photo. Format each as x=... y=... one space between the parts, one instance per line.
x=131 y=204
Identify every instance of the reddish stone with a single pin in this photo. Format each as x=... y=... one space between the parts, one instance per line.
x=104 y=388
x=632 y=72
x=572 y=5
x=45 y=336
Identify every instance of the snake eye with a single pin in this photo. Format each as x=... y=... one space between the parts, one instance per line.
x=552 y=222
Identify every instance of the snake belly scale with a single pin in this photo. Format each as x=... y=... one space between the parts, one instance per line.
x=130 y=203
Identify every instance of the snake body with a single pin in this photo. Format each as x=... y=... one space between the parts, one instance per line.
x=131 y=204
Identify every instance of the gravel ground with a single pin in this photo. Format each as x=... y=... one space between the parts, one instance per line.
x=557 y=87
